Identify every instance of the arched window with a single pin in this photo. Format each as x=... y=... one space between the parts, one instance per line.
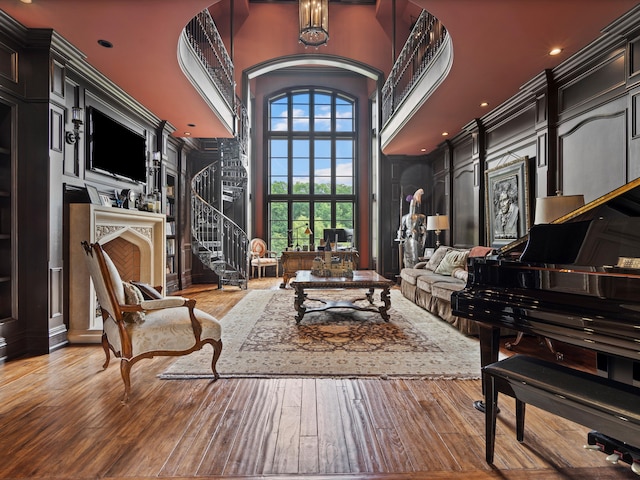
x=311 y=159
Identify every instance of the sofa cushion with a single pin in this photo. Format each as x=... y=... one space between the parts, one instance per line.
x=436 y=258
x=410 y=275
x=451 y=260
x=443 y=290
x=425 y=282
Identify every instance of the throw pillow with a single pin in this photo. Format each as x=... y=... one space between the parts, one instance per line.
x=132 y=296
x=148 y=292
x=451 y=260
x=460 y=273
x=436 y=258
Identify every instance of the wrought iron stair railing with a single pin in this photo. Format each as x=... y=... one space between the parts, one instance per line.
x=219 y=242
x=426 y=39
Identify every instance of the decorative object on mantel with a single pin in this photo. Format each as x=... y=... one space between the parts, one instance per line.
x=438 y=223
x=549 y=209
x=262 y=339
x=314 y=22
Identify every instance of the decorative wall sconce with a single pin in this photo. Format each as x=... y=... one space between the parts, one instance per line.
x=314 y=22
x=76 y=119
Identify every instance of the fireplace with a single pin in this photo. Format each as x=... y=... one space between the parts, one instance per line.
x=134 y=240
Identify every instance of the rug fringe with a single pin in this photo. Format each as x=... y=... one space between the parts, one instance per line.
x=197 y=376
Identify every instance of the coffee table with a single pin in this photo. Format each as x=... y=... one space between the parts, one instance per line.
x=362 y=279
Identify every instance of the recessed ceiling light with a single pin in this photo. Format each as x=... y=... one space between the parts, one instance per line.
x=25 y=1
x=444 y=134
x=187 y=134
x=484 y=104
x=105 y=43
x=191 y=125
x=423 y=149
x=555 y=51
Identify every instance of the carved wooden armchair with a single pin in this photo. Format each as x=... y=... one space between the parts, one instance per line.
x=135 y=328
x=260 y=258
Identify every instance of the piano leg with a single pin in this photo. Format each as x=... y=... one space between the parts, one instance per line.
x=491 y=399
x=489 y=348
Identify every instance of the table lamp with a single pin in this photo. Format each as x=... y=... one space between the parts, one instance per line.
x=550 y=208
x=438 y=223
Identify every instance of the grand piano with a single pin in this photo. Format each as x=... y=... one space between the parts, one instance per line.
x=577 y=281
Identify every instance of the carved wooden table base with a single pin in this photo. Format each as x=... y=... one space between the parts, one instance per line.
x=362 y=279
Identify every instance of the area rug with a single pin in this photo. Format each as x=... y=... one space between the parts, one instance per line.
x=261 y=339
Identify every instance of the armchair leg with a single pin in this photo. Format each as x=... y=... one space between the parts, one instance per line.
x=107 y=354
x=217 y=350
x=125 y=371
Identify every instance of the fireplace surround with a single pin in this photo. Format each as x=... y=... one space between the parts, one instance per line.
x=139 y=236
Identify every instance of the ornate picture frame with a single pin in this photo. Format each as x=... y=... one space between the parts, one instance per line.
x=507 y=202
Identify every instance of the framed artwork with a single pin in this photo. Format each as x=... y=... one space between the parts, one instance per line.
x=507 y=202
x=94 y=196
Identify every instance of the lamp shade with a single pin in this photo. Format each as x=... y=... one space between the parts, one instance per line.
x=550 y=208
x=438 y=222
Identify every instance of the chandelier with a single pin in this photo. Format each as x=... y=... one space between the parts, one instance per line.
x=314 y=22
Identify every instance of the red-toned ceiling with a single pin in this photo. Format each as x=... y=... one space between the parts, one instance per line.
x=498 y=46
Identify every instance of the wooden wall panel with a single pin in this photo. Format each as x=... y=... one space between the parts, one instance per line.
x=464 y=207
x=594 y=84
x=593 y=151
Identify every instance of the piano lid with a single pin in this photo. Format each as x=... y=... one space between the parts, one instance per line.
x=623 y=202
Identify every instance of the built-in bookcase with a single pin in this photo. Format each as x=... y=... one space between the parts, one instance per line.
x=6 y=218
x=170 y=209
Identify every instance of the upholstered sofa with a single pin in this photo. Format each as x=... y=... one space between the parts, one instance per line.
x=430 y=284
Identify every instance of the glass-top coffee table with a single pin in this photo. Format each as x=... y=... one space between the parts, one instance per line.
x=362 y=279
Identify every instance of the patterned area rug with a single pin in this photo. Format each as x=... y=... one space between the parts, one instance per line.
x=261 y=339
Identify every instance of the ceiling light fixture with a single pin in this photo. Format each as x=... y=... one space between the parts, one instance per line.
x=314 y=22
x=105 y=43
x=555 y=51
x=444 y=134
x=484 y=104
x=25 y=1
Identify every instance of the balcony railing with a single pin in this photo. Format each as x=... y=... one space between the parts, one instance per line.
x=206 y=41
x=426 y=38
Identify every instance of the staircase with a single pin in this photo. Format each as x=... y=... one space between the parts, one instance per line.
x=218 y=241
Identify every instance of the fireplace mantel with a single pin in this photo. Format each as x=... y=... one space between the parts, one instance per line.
x=95 y=223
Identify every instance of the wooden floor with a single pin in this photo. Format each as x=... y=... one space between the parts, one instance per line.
x=61 y=417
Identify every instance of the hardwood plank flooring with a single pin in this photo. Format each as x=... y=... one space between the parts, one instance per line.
x=61 y=417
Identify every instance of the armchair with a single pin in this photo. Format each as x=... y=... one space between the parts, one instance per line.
x=260 y=258
x=135 y=328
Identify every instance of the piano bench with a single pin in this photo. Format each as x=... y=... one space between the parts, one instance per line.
x=596 y=402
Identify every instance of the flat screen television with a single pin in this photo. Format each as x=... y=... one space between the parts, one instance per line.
x=115 y=149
